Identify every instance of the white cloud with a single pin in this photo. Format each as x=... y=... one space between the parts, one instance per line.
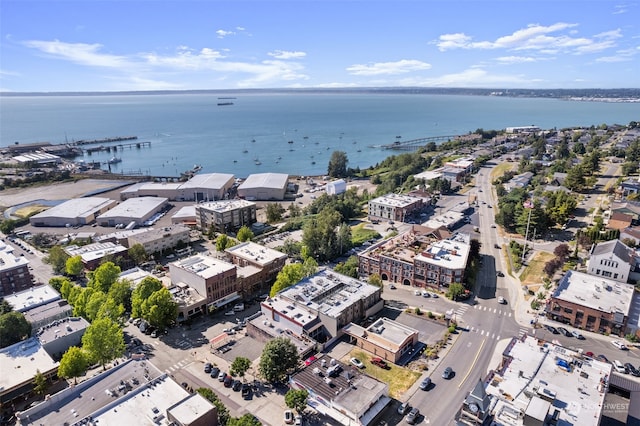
x=224 y=33
x=80 y=53
x=620 y=56
x=515 y=59
x=284 y=54
x=475 y=77
x=619 y=9
x=552 y=39
x=380 y=68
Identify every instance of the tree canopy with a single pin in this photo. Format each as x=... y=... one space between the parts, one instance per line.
x=73 y=364
x=13 y=328
x=338 y=164
x=223 y=411
x=245 y=234
x=74 y=266
x=103 y=341
x=239 y=366
x=278 y=358
x=142 y=292
x=104 y=276
x=296 y=399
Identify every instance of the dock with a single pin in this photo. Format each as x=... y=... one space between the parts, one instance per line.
x=414 y=144
x=118 y=147
x=103 y=140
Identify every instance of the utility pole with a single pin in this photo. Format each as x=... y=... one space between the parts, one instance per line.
x=527 y=205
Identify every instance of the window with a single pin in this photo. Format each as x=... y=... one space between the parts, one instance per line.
x=568 y=310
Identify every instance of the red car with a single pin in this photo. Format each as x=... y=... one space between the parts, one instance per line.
x=379 y=362
x=589 y=354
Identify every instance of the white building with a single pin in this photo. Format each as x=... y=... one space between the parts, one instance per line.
x=394 y=207
x=201 y=187
x=264 y=186
x=336 y=187
x=612 y=260
x=137 y=210
x=225 y=215
x=77 y=211
x=157 y=240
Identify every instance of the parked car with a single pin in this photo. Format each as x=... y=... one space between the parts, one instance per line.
x=425 y=293
x=246 y=391
x=288 y=417
x=564 y=331
x=228 y=382
x=502 y=300
x=222 y=376
x=499 y=274
x=602 y=358
x=552 y=329
x=403 y=408
x=577 y=335
x=237 y=385
x=631 y=369
x=497 y=246
x=412 y=418
x=392 y=286
x=379 y=362
x=298 y=420
x=417 y=292
x=356 y=362
x=619 y=367
x=447 y=373
x=215 y=371
x=434 y=295
x=208 y=367
x=426 y=383
x=589 y=354
x=620 y=345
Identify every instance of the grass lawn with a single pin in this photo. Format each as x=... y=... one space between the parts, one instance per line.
x=533 y=273
x=399 y=379
x=500 y=169
x=359 y=234
x=30 y=210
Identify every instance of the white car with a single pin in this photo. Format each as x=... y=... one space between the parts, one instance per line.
x=417 y=292
x=288 y=417
x=356 y=362
x=620 y=345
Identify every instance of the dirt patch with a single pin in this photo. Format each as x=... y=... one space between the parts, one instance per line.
x=29 y=210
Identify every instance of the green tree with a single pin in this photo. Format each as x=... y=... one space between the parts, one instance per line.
x=65 y=288
x=575 y=178
x=81 y=301
x=278 y=358
x=111 y=309
x=57 y=258
x=56 y=282
x=104 y=276
x=375 y=279
x=274 y=212
x=239 y=366
x=349 y=267
x=244 y=420
x=95 y=302
x=40 y=383
x=296 y=399
x=221 y=242
x=104 y=341
x=160 y=309
x=142 y=292
x=5 y=307
x=73 y=364
x=338 y=164
x=288 y=275
x=223 y=411
x=120 y=292
x=74 y=266
x=245 y=234
x=137 y=253
x=13 y=328
x=455 y=291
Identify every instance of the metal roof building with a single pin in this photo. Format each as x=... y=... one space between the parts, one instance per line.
x=77 y=211
x=136 y=210
x=204 y=187
x=264 y=186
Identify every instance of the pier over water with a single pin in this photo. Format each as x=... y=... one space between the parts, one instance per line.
x=413 y=144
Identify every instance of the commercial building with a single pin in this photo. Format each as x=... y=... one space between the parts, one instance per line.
x=14 y=271
x=77 y=211
x=186 y=216
x=190 y=302
x=19 y=364
x=48 y=313
x=158 y=240
x=538 y=383
x=342 y=392
x=394 y=207
x=384 y=338
x=26 y=300
x=212 y=278
x=94 y=254
x=591 y=303
x=418 y=258
x=257 y=265
x=336 y=187
x=320 y=306
x=137 y=210
x=264 y=187
x=133 y=392
x=201 y=187
x=59 y=335
x=226 y=215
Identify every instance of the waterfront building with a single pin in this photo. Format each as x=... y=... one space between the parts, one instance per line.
x=394 y=207
x=226 y=215
x=77 y=211
x=264 y=187
x=134 y=210
x=200 y=187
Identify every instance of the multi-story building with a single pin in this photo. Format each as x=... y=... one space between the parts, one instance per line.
x=613 y=260
x=161 y=239
x=93 y=254
x=394 y=207
x=212 y=278
x=257 y=265
x=226 y=215
x=418 y=258
x=591 y=303
x=14 y=271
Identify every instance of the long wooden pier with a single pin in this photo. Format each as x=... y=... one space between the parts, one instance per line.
x=413 y=144
x=118 y=147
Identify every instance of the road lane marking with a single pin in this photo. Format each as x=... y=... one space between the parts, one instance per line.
x=471 y=367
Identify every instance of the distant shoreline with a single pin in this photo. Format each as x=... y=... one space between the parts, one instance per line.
x=584 y=95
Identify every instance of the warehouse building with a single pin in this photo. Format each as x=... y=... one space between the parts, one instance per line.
x=137 y=210
x=226 y=215
x=77 y=211
x=204 y=187
x=264 y=187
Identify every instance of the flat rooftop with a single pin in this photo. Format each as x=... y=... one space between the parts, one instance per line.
x=384 y=333
x=48 y=310
x=255 y=253
x=8 y=259
x=158 y=233
x=208 y=180
x=328 y=292
x=135 y=208
x=536 y=370
x=76 y=207
x=265 y=180
x=451 y=254
x=223 y=206
x=33 y=297
x=447 y=219
x=60 y=328
x=19 y=363
x=203 y=266
x=395 y=200
x=595 y=292
x=94 y=251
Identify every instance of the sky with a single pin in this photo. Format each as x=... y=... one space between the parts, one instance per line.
x=122 y=45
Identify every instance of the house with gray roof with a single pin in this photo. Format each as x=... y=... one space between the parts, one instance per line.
x=613 y=260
